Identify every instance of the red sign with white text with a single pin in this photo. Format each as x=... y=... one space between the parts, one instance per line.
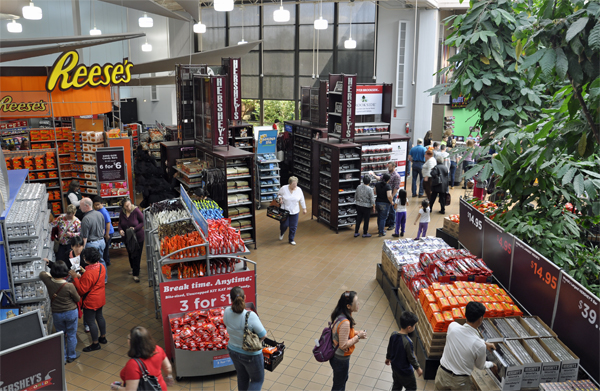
x=201 y=293
x=369 y=100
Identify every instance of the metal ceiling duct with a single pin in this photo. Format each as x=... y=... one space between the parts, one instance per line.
x=12 y=43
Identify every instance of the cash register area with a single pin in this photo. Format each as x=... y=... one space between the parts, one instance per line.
x=298 y=287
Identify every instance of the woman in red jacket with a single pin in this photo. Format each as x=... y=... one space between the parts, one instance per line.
x=90 y=287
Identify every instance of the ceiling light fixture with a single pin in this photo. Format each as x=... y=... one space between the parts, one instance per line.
x=146 y=47
x=350 y=43
x=243 y=41
x=224 y=5
x=321 y=24
x=32 y=12
x=199 y=28
x=145 y=21
x=281 y=15
x=14 y=27
x=94 y=31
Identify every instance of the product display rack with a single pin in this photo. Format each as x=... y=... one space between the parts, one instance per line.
x=241 y=135
x=27 y=290
x=314 y=103
x=170 y=151
x=375 y=125
x=341 y=106
x=184 y=89
x=268 y=181
x=236 y=165
x=338 y=178
x=303 y=133
x=376 y=152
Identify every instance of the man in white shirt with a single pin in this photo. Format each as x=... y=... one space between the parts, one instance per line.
x=464 y=350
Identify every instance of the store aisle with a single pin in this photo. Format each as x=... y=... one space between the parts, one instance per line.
x=298 y=287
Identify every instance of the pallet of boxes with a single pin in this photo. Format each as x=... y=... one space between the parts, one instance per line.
x=451 y=225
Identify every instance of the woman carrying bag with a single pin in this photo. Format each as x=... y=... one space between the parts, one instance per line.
x=249 y=365
x=291 y=199
x=68 y=227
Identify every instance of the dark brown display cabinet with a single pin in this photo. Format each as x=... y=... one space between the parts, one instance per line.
x=170 y=151
x=373 y=111
x=341 y=106
x=377 y=152
x=302 y=135
x=184 y=91
x=211 y=111
x=230 y=183
x=338 y=177
x=241 y=135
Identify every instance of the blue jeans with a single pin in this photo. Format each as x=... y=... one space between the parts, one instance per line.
x=383 y=208
x=340 y=373
x=416 y=171
x=390 y=220
x=250 y=370
x=100 y=245
x=292 y=223
x=452 y=172
x=67 y=323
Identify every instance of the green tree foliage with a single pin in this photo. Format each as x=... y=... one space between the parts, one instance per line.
x=533 y=74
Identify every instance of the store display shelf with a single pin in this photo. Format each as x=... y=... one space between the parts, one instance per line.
x=303 y=163
x=168 y=261
x=347 y=192
x=325 y=173
x=269 y=192
x=334 y=92
x=246 y=229
x=303 y=177
x=237 y=177
x=327 y=198
x=239 y=204
x=112 y=206
x=320 y=184
x=383 y=170
x=269 y=169
x=301 y=135
x=271 y=185
x=269 y=177
x=22 y=281
x=53 y=188
x=243 y=138
x=263 y=162
x=233 y=191
x=245 y=146
x=348 y=171
x=117 y=196
x=347 y=224
x=349 y=180
x=382 y=162
x=301 y=169
x=347 y=204
x=21 y=260
x=33 y=300
x=45 y=169
x=239 y=254
x=299 y=147
x=64 y=154
x=47 y=141
x=370 y=134
x=376 y=154
x=64 y=164
x=324 y=208
x=190 y=185
x=239 y=217
x=86 y=142
x=186 y=174
x=114 y=217
x=44 y=179
x=334 y=113
x=80 y=162
x=324 y=219
x=348 y=159
x=363 y=124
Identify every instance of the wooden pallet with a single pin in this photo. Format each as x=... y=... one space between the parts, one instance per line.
x=390 y=270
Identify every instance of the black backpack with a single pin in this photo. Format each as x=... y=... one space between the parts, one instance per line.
x=147 y=381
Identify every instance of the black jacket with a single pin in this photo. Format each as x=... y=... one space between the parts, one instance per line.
x=439 y=175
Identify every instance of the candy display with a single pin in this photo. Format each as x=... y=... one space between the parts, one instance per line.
x=517 y=327
x=537 y=327
x=504 y=328
x=209 y=209
x=488 y=331
x=519 y=351
x=223 y=238
x=407 y=251
x=539 y=351
x=169 y=245
x=201 y=330
x=579 y=385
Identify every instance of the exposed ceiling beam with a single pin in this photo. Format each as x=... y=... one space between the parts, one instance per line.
x=151 y=81
x=210 y=57
x=191 y=7
x=147 y=6
x=12 y=9
x=57 y=48
x=19 y=42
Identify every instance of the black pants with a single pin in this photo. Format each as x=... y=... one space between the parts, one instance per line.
x=442 y=200
x=407 y=381
x=134 y=262
x=363 y=213
x=91 y=317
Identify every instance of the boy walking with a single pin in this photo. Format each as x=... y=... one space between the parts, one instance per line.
x=400 y=354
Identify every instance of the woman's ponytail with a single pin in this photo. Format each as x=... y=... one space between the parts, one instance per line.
x=238 y=304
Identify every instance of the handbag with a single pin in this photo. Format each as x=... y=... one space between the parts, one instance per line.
x=448 y=199
x=276 y=212
x=147 y=381
x=251 y=341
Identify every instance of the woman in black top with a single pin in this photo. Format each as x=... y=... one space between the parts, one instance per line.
x=427 y=139
x=74 y=197
x=383 y=202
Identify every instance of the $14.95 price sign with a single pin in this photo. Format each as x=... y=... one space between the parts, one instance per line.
x=497 y=251
x=576 y=323
x=201 y=293
x=470 y=233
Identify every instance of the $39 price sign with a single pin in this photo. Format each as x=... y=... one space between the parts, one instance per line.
x=548 y=278
x=588 y=313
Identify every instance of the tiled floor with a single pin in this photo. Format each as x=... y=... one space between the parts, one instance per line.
x=298 y=287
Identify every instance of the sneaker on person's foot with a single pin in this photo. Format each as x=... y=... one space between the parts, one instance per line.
x=395 y=235
x=281 y=237
x=77 y=355
x=102 y=340
x=92 y=347
x=136 y=279
x=86 y=328
x=293 y=243
x=367 y=235
x=356 y=234
x=390 y=228
x=401 y=233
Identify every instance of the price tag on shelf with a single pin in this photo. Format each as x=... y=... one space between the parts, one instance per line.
x=498 y=250
x=470 y=233
x=577 y=323
x=534 y=281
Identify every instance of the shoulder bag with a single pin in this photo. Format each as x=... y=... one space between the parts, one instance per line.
x=147 y=381
x=55 y=295
x=57 y=240
x=251 y=341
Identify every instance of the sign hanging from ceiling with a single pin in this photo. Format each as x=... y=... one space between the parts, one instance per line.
x=369 y=100
x=66 y=74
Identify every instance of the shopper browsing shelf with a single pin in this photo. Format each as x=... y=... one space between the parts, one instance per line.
x=383 y=202
x=401 y=355
x=365 y=203
x=63 y=302
x=417 y=157
x=74 y=197
x=430 y=162
x=131 y=228
x=439 y=184
x=108 y=231
x=464 y=350
x=291 y=199
x=344 y=337
x=248 y=365
x=400 y=209
x=394 y=183
x=91 y=288
x=68 y=226
x=423 y=218
x=92 y=229
x=144 y=353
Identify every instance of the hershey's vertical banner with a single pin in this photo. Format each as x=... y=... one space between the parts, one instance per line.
x=219 y=108
x=349 y=92
x=234 y=73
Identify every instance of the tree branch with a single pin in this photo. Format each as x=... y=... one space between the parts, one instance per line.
x=585 y=110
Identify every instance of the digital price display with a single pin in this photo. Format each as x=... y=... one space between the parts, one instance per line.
x=498 y=248
x=470 y=233
x=577 y=323
x=534 y=280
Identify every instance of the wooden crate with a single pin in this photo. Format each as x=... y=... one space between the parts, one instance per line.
x=410 y=299
x=390 y=270
x=450 y=227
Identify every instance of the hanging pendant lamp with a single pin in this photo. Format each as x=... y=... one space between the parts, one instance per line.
x=321 y=24
x=145 y=21
x=281 y=15
x=32 y=12
x=146 y=47
x=223 y=5
x=199 y=28
x=350 y=43
x=14 y=27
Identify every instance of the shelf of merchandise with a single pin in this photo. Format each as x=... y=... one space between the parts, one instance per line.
x=303 y=134
x=335 y=186
x=376 y=152
x=341 y=106
x=265 y=171
x=241 y=135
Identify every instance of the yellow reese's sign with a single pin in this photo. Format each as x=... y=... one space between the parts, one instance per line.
x=66 y=74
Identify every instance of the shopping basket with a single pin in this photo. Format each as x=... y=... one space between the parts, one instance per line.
x=275 y=211
x=274 y=359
